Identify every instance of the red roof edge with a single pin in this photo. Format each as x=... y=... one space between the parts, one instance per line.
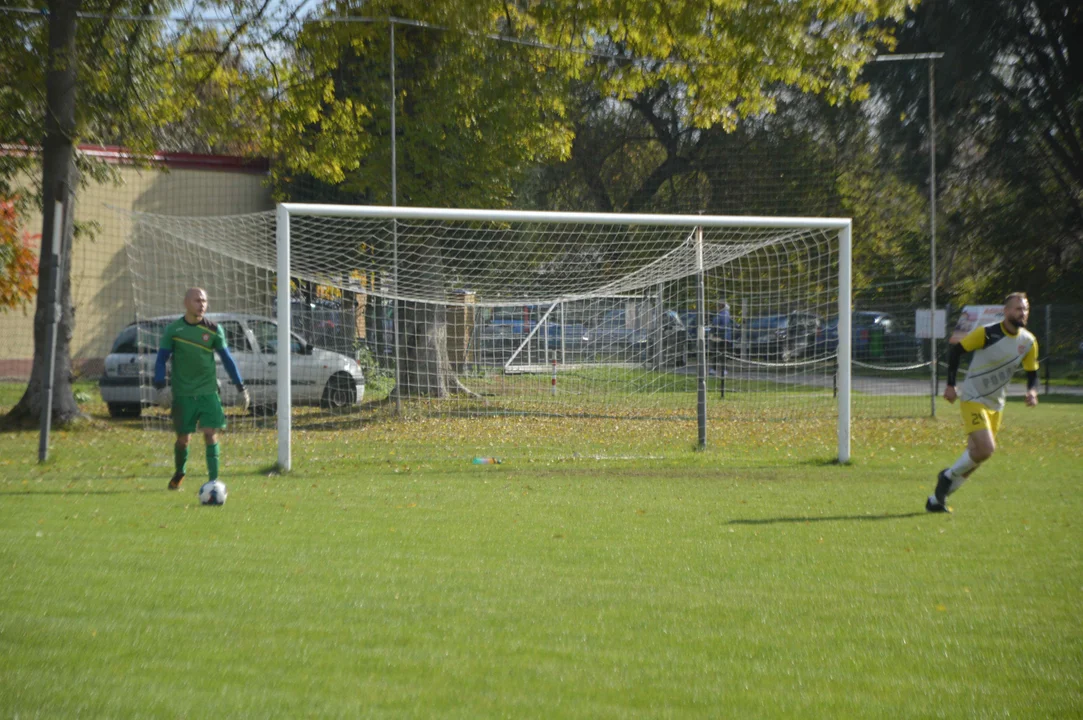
x=175 y=160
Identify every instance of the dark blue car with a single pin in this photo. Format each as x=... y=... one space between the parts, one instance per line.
x=506 y=328
x=658 y=339
x=783 y=337
x=876 y=336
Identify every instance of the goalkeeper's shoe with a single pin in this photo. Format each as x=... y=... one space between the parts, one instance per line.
x=176 y=480
x=931 y=505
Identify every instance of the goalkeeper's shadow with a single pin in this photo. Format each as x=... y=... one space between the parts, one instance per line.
x=80 y=493
x=827 y=518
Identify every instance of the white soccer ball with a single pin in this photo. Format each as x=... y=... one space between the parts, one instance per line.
x=213 y=492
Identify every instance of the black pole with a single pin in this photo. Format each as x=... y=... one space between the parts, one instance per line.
x=52 y=311
x=395 y=303
x=723 y=347
x=1048 y=337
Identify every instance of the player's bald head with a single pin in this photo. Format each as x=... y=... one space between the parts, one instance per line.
x=195 y=303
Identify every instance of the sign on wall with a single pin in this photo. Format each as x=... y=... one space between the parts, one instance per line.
x=924 y=329
x=974 y=316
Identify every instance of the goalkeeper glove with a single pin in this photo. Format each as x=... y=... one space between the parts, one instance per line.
x=243 y=399
x=165 y=398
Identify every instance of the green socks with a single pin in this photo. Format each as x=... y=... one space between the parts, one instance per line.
x=212 y=462
x=180 y=458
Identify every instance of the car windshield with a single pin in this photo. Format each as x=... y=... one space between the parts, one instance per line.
x=613 y=318
x=858 y=318
x=266 y=333
x=140 y=337
x=511 y=314
x=125 y=342
x=674 y=319
x=766 y=323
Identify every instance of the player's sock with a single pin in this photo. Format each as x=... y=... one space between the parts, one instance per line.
x=965 y=464
x=943 y=487
x=180 y=458
x=212 y=462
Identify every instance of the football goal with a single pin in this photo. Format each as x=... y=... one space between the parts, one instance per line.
x=360 y=312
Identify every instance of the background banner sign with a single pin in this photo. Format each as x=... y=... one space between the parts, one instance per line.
x=973 y=316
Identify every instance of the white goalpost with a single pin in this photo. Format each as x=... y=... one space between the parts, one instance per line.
x=644 y=328
x=670 y=265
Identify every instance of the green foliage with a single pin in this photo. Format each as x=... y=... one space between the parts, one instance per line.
x=378 y=379
x=891 y=219
x=146 y=86
x=474 y=115
x=220 y=98
x=471 y=113
x=18 y=263
x=726 y=58
x=1010 y=148
x=22 y=47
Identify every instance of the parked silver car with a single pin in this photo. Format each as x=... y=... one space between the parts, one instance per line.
x=318 y=376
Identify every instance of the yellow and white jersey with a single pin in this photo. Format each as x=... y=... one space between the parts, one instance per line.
x=997 y=355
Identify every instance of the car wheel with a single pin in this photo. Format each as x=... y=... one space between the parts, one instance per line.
x=123 y=410
x=339 y=394
x=263 y=411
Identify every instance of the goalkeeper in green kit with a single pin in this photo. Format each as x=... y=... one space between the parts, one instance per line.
x=192 y=341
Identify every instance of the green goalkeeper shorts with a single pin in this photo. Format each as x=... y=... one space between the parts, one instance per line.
x=202 y=410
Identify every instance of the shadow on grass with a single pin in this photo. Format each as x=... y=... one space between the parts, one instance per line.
x=134 y=491
x=1054 y=398
x=823 y=462
x=829 y=518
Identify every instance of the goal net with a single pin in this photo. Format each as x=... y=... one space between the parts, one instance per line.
x=349 y=314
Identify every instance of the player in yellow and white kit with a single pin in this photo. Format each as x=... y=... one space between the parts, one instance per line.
x=998 y=351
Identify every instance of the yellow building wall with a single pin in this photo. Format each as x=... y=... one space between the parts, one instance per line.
x=101 y=282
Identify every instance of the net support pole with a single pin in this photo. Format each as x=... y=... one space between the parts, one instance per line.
x=655 y=358
x=395 y=231
x=701 y=345
x=283 y=374
x=932 y=237
x=564 y=334
x=844 y=351
x=52 y=304
x=931 y=57
x=1048 y=360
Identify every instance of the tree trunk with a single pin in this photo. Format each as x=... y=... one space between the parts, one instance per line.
x=426 y=367
x=58 y=183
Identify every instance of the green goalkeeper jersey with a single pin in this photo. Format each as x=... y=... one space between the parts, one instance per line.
x=193 y=348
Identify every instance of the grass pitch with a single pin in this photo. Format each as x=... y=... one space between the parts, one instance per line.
x=388 y=576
